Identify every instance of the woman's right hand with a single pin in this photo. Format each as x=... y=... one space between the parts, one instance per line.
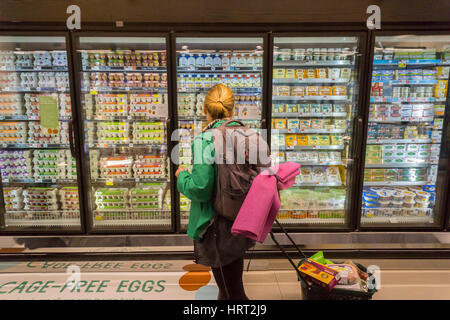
x=180 y=168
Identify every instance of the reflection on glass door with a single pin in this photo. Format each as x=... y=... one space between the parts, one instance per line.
x=314 y=102
x=124 y=103
x=38 y=168
x=402 y=182
x=202 y=63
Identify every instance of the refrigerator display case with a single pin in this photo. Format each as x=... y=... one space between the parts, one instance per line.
x=314 y=104
x=37 y=152
x=405 y=172
x=202 y=62
x=124 y=102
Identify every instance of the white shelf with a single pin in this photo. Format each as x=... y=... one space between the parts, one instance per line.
x=396 y=219
x=398 y=165
x=324 y=221
x=315 y=147
x=308 y=98
x=320 y=163
x=306 y=81
x=131 y=222
x=394 y=183
x=284 y=131
x=312 y=63
x=318 y=184
x=394 y=141
x=61 y=222
x=310 y=115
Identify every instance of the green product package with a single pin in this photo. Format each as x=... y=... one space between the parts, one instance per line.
x=319 y=257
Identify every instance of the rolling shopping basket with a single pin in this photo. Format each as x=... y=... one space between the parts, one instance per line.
x=312 y=291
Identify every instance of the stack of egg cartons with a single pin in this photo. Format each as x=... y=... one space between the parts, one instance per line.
x=111 y=105
x=11 y=104
x=88 y=105
x=32 y=103
x=94 y=156
x=42 y=59
x=49 y=164
x=13 y=198
x=7 y=59
x=24 y=60
x=65 y=107
x=186 y=104
x=116 y=167
x=111 y=198
x=71 y=168
x=62 y=80
x=37 y=134
x=29 y=80
x=145 y=197
x=59 y=58
x=150 y=166
x=69 y=198
x=112 y=132
x=15 y=164
x=199 y=104
x=13 y=132
x=40 y=199
x=9 y=80
x=148 y=133
x=46 y=80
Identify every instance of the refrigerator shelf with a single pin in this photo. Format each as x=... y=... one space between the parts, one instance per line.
x=147 y=90
x=394 y=141
x=406 y=62
x=126 y=145
x=130 y=68
x=408 y=119
x=35 y=68
x=132 y=223
x=324 y=221
x=37 y=89
x=126 y=118
x=281 y=131
x=310 y=115
x=306 y=81
x=331 y=63
x=407 y=82
x=318 y=184
x=39 y=181
x=69 y=223
x=395 y=220
x=321 y=163
x=315 y=147
x=394 y=183
x=310 y=98
x=313 y=209
x=399 y=165
x=33 y=146
x=219 y=69
x=402 y=100
x=28 y=118
x=249 y=90
x=128 y=180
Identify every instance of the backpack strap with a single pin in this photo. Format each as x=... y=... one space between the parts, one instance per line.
x=229 y=121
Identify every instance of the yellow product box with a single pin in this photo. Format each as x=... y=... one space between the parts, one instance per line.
x=293 y=123
x=339 y=90
x=302 y=140
x=300 y=74
x=310 y=74
x=336 y=140
x=325 y=91
x=305 y=124
x=312 y=90
x=316 y=124
x=440 y=90
x=290 y=74
x=279 y=73
x=328 y=124
x=291 y=140
x=442 y=72
x=298 y=91
x=339 y=124
x=373 y=160
x=373 y=154
x=313 y=140
x=291 y=108
x=374 y=147
x=324 y=140
x=321 y=73
x=279 y=123
x=378 y=172
x=346 y=73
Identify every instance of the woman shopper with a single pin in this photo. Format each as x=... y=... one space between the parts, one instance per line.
x=224 y=254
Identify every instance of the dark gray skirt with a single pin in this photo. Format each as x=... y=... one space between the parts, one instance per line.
x=229 y=247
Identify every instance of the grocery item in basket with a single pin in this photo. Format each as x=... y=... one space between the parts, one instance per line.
x=348 y=273
x=320 y=274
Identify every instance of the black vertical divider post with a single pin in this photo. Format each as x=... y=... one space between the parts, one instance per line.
x=362 y=125
x=75 y=98
x=267 y=85
x=74 y=81
x=172 y=126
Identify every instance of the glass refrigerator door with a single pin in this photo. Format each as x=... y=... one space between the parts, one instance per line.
x=125 y=110
x=38 y=169
x=314 y=102
x=402 y=181
x=202 y=63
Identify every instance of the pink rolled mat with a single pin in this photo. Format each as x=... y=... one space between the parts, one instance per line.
x=260 y=207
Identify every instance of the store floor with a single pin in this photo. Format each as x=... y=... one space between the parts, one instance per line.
x=267 y=279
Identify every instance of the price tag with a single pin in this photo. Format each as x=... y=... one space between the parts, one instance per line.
x=38 y=180
x=5 y=180
x=131 y=145
x=109 y=182
x=127 y=89
x=393 y=220
x=44 y=145
x=137 y=180
x=94 y=92
x=53 y=180
x=105 y=145
x=98 y=218
x=401 y=63
x=37 y=67
x=4 y=145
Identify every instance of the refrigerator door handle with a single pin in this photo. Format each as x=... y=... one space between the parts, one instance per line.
x=71 y=138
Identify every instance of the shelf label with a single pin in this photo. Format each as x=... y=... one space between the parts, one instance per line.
x=137 y=179
x=4 y=145
x=6 y=180
x=401 y=63
x=131 y=145
x=53 y=180
x=109 y=182
x=94 y=92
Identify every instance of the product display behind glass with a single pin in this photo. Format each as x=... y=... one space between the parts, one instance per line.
x=402 y=181
x=202 y=63
x=125 y=109
x=38 y=168
x=314 y=102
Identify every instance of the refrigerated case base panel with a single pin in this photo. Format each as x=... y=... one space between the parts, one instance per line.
x=395 y=220
x=132 y=223
x=43 y=223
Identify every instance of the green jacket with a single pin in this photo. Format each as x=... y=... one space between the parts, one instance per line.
x=198 y=186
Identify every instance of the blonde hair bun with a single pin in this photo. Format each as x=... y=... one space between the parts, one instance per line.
x=219 y=102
